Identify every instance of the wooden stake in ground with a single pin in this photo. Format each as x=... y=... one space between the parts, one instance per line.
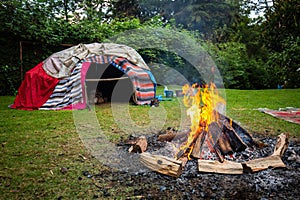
x=162 y=164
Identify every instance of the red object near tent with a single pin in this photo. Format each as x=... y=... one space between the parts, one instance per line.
x=35 y=89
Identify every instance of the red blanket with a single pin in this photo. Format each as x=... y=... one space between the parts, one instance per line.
x=288 y=114
x=35 y=89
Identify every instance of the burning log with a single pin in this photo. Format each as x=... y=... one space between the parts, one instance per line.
x=235 y=141
x=172 y=135
x=272 y=161
x=223 y=143
x=196 y=153
x=162 y=164
x=225 y=167
x=222 y=139
x=214 y=134
x=242 y=134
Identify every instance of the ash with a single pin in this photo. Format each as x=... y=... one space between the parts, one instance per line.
x=266 y=184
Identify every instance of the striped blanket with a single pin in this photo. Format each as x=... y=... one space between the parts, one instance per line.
x=69 y=92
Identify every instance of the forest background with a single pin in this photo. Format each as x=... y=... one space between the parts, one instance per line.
x=255 y=44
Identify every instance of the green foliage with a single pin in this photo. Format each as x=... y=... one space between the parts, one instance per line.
x=280 y=34
x=237 y=69
x=168 y=46
x=207 y=17
x=284 y=65
x=8 y=80
x=43 y=29
x=281 y=23
x=258 y=53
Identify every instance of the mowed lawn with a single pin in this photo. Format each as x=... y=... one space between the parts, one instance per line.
x=43 y=157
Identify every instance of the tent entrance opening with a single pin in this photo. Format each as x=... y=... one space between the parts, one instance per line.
x=106 y=83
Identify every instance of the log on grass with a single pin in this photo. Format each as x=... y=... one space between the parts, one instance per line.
x=162 y=164
x=225 y=167
x=272 y=161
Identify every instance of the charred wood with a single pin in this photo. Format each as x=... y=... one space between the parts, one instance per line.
x=235 y=141
x=196 y=153
x=214 y=134
x=240 y=131
x=223 y=143
x=172 y=135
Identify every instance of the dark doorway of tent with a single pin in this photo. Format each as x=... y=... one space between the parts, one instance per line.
x=105 y=83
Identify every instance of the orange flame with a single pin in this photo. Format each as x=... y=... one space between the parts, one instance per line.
x=201 y=103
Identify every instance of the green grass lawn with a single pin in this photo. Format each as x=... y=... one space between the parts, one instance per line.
x=242 y=105
x=35 y=145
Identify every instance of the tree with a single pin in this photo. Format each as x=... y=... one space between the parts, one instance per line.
x=206 y=16
x=43 y=24
x=280 y=32
x=237 y=69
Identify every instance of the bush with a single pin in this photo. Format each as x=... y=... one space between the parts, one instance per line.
x=9 y=80
x=237 y=69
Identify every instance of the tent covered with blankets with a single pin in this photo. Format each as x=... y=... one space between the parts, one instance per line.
x=61 y=81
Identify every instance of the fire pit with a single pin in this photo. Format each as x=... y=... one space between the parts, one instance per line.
x=215 y=159
x=282 y=183
x=213 y=140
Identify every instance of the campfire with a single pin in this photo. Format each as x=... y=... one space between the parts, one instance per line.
x=213 y=140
